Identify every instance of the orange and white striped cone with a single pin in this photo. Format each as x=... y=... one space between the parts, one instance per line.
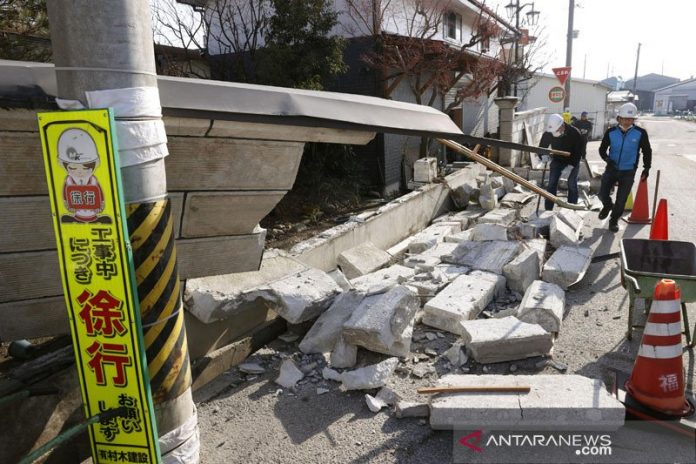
x=657 y=380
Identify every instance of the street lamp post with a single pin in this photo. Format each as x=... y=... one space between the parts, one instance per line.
x=513 y=9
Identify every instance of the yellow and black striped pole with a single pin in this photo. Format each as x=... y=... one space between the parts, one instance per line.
x=154 y=254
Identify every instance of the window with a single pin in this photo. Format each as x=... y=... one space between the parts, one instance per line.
x=453 y=26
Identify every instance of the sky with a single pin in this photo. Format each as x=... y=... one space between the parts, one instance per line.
x=609 y=33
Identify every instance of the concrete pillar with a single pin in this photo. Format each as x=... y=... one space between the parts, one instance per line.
x=507 y=157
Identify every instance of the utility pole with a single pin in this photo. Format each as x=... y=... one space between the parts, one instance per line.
x=569 y=52
x=517 y=41
x=584 y=66
x=107 y=45
x=635 y=75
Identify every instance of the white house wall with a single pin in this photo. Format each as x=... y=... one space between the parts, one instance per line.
x=585 y=95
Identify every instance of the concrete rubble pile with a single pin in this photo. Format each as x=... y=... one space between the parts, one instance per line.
x=478 y=286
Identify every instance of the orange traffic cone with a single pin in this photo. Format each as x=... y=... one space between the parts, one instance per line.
x=659 y=229
x=657 y=380
x=641 y=209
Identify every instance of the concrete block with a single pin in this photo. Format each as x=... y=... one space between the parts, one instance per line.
x=505 y=339
x=571 y=218
x=502 y=216
x=481 y=232
x=463 y=236
x=344 y=354
x=400 y=248
x=431 y=235
x=382 y=280
x=461 y=300
x=362 y=259
x=451 y=271
x=543 y=304
x=425 y=169
x=325 y=332
x=567 y=266
x=561 y=234
x=516 y=200
x=369 y=377
x=539 y=246
x=440 y=250
x=555 y=402
x=219 y=297
x=542 y=222
x=411 y=409
x=303 y=296
x=522 y=271
x=421 y=261
x=340 y=278
x=384 y=323
x=429 y=284
x=486 y=256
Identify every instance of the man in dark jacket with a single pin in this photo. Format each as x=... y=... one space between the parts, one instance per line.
x=584 y=126
x=625 y=142
x=562 y=136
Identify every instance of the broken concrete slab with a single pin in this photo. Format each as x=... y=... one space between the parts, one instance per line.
x=344 y=354
x=431 y=235
x=439 y=250
x=464 y=218
x=541 y=222
x=571 y=218
x=463 y=236
x=522 y=271
x=502 y=216
x=368 y=377
x=481 y=232
x=421 y=261
x=463 y=194
x=340 y=279
x=486 y=256
x=543 y=304
x=515 y=200
x=382 y=280
x=400 y=248
x=324 y=334
x=561 y=234
x=303 y=296
x=411 y=409
x=219 y=297
x=384 y=323
x=505 y=339
x=567 y=265
x=362 y=259
x=555 y=402
x=289 y=374
x=461 y=300
x=450 y=271
x=539 y=246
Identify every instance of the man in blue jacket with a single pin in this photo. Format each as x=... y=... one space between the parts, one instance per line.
x=625 y=142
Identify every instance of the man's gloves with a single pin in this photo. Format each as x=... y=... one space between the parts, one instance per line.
x=644 y=175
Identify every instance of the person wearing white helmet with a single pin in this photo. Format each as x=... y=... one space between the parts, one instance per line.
x=82 y=194
x=562 y=136
x=620 y=149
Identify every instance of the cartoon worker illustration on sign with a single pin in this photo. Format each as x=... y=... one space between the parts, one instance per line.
x=82 y=194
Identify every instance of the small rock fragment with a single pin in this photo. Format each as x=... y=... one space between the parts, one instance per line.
x=374 y=404
x=321 y=391
x=251 y=368
x=330 y=374
x=373 y=376
x=289 y=374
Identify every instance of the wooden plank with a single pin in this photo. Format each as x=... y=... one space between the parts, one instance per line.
x=200 y=257
x=209 y=214
x=26 y=224
x=198 y=163
x=21 y=164
x=41 y=317
x=28 y=275
x=215 y=363
x=177 y=200
x=36 y=274
x=22 y=120
x=186 y=126
x=251 y=130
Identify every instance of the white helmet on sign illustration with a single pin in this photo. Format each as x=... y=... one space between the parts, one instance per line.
x=77 y=146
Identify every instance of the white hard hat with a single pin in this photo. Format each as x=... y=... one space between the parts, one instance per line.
x=628 y=110
x=554 y=122
x=77 y=146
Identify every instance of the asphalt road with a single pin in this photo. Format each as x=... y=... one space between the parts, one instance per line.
x=247 y=420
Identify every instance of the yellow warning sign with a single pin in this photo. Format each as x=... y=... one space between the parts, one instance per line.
x=81 y=161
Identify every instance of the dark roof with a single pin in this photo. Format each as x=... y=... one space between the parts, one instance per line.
x=651 y=82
